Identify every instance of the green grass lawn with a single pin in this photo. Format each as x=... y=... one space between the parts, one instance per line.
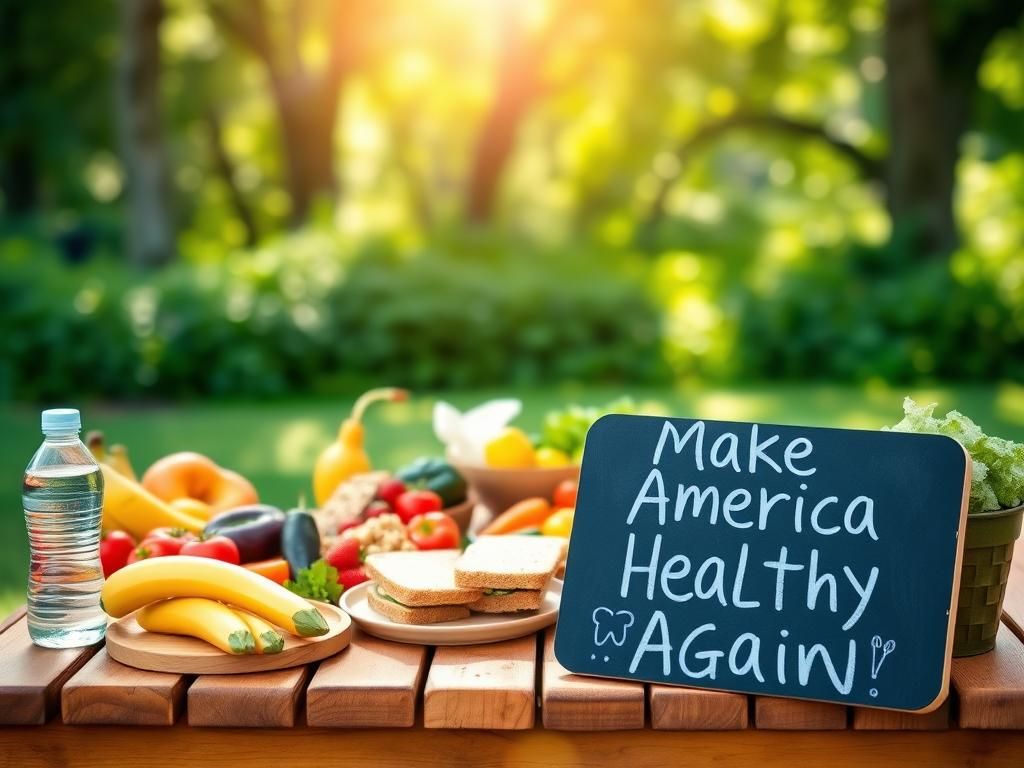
x=275 y=444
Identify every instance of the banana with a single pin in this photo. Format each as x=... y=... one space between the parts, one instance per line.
x=150 y=580
x=130 y=507
x=268 y=639
x=206 y=619
x=117 y=458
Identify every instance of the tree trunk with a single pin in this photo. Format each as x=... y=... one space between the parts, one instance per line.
x=150 y=240
x=307 y=107
x=516 y=89
x=927 y=115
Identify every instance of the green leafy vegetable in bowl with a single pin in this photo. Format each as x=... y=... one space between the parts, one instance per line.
x=566 y=429
x=318 y=582
x=997 y=480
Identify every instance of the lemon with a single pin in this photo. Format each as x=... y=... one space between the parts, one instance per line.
x=511 y=449
x=549 y=458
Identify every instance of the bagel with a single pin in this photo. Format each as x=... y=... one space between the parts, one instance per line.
x=190 y=475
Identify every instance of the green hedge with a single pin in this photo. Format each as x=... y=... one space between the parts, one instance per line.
x=878 y=313
x=310 y=315
x=307 y=316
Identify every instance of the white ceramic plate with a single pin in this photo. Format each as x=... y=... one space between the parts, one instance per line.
x=478 y=628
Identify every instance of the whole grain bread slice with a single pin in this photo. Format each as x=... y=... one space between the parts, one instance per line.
x=509 y=562
x=419 y=579
x=404 y=614
x=520 y=600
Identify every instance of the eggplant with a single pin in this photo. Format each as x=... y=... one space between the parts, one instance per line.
x=255 y=528
x=300 y=540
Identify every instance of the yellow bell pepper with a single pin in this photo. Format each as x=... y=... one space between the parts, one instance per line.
x=560 y=523
x=346 y=456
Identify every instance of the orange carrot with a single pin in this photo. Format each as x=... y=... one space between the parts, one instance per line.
x=275 y=569
x=528 y=513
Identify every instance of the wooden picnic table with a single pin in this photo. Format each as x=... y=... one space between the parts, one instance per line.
x=508 y=703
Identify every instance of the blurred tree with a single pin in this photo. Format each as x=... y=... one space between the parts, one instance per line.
x=151 y=233
x=932 y=56
x=55 y=114
x=306 y=96
x=933 y=51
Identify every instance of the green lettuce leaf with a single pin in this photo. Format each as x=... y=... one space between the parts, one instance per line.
x=318 y=582
x=997 y=480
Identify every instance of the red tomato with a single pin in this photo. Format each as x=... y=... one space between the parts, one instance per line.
x=389 y=491
x=565 y=494
x=115 y=548
x=153 y=548
x=434 y=530
x=215 y=547
x=413 y=503
x=179 y=536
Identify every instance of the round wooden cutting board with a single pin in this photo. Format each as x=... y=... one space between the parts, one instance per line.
x=129 y=644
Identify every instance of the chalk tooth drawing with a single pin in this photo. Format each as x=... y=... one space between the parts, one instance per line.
x=876 y=661
x=611 y=625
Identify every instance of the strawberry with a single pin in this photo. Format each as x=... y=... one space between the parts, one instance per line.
x=350 y=577
x=345 y=553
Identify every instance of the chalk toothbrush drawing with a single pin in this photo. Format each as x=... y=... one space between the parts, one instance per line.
x=876 y=661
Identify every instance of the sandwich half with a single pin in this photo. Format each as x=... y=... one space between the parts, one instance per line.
x=512 y=571
x=418 y=587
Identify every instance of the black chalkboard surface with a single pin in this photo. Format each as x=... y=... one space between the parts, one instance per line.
x=766 y=559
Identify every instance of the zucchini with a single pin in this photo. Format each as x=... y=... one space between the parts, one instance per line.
x=300 y=541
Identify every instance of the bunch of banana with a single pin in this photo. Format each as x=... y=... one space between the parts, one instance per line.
x=231 y=630
x=114 y=456
x=191 y=596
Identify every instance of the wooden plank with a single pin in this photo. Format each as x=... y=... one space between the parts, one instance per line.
x=254 y=700
x=776 y=713
x=691 y=709
x=1013 y=601
x=106 y=746
x=31 y=677
x=104 y=692
x=990 y=687
x=373 y=683
x=575 y=703
x=12 y=618
x=866 y=719
x=482 y=686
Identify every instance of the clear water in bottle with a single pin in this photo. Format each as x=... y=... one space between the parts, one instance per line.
x=62 y=498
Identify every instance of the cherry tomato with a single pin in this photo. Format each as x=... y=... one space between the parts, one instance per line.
x=434 y=530
x=179 y=536
x=413 y=503
x=565 y=494
x=389 y=491
x=215 y=547
x=115 y=548
x=153 y=548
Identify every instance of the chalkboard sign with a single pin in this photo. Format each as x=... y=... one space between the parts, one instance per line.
x=765 y=559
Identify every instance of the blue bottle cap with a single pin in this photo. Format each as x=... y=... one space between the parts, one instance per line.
x=62 y=420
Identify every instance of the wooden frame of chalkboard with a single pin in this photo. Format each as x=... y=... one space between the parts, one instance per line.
x=765 y=559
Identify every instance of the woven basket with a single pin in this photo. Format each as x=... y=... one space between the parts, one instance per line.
x=988 y=551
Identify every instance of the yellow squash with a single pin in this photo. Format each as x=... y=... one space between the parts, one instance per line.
x=268 y=639
x=195 y=617
x=129 y=507
x=346 y=456
x=158 y=578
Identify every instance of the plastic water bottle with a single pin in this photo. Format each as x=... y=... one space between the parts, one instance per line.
x=63 y=497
